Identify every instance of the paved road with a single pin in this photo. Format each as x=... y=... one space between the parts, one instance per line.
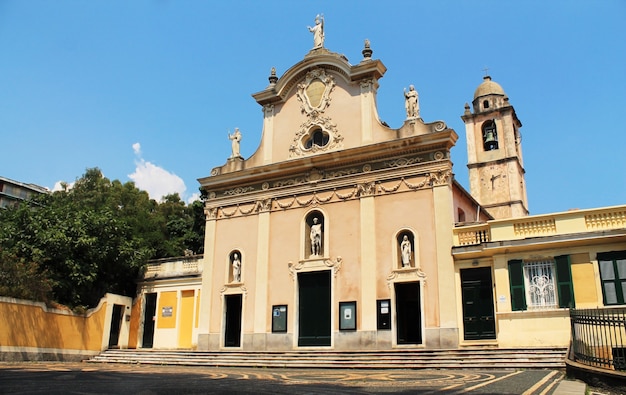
x=84 y=378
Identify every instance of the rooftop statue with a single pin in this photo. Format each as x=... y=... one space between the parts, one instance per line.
x=235 y=139
x=411 y=103
x=318 y=32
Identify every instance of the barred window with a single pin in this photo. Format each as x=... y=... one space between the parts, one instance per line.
x=541 y=284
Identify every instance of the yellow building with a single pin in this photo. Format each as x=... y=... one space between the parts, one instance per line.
x=340 y=232
x=168 y=314
x=518 y=277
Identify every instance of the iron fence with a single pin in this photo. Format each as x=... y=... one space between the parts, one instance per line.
x=598 y=337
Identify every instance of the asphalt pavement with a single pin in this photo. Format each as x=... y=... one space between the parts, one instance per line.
x=91 y=378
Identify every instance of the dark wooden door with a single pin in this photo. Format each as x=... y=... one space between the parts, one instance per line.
x=408 y=313
x=478 y=311
x=232 y=337
x=314 y=309
x=148 y=321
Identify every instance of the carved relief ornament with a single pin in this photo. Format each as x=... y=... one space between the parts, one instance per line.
x=335 y=140
x=314 y=92
x=405 y=275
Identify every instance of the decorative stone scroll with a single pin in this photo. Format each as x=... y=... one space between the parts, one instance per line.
x=235 y=288
x=441 y=177
x=268 y=109
x=366 y=189
x=405 y=275
x=401 y=162
x=210 y=212
x=309 y=265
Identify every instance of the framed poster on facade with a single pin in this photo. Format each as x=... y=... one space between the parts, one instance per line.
x=347 y=316
x=383 y=314
x=279 y=318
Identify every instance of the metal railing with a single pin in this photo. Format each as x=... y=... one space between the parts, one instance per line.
x=598 y=337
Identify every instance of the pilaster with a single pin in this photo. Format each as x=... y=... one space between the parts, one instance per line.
x=444 y=220
x=262 y=273
x=206 y=300
x=368 y=263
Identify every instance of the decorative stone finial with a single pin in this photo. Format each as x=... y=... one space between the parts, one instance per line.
x=467 y=109
x=367 y=51
x=273 y=78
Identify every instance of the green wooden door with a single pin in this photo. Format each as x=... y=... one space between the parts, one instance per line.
x=478 y=313
x=314 y=309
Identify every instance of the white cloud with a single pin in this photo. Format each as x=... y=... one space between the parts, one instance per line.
x=62 y=186
x=193 y=198
x=155 y=180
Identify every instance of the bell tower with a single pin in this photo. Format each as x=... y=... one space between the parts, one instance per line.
x=494 y=152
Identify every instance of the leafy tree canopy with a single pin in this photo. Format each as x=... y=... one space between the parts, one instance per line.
x=75 y=245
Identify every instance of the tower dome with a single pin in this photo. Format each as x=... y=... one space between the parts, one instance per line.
x=488 y=87
x=489 y=96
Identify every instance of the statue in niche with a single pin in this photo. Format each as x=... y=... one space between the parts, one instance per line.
x=316 y=238
x=235 y=140
x=236 y=268
x=318 y=32
x=405 y=250
x=411 y=103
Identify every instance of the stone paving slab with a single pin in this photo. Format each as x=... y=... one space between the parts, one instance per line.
x=82 y=378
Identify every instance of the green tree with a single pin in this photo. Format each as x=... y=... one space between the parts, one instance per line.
x=23 y=279
x=183 y=226
x=93 y=238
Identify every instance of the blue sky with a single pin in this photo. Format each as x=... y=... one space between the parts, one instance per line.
x=148 y=90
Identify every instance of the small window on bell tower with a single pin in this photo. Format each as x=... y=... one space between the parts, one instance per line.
x=486 y=104
x=490 y=136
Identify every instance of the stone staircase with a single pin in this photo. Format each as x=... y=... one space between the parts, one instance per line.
x=465 y=358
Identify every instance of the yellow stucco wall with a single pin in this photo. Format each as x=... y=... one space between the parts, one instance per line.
x=169 y=300
x=29 y=324
x=534 y=329
x=197 y=309
x=133 y=336
x=583 y=275
x=186 y=319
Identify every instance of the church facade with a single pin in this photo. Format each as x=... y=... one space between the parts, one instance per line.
x=333 y=221
x=340 y=232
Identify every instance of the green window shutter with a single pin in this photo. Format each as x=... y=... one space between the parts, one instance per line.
x=564 y=282
x=516 y=279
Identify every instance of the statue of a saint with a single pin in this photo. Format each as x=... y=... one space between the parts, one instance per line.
x=236 y=269
x=405 y=249
x=318 y=32
x=411 y=103
x=316 y=238
x=235 y=139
